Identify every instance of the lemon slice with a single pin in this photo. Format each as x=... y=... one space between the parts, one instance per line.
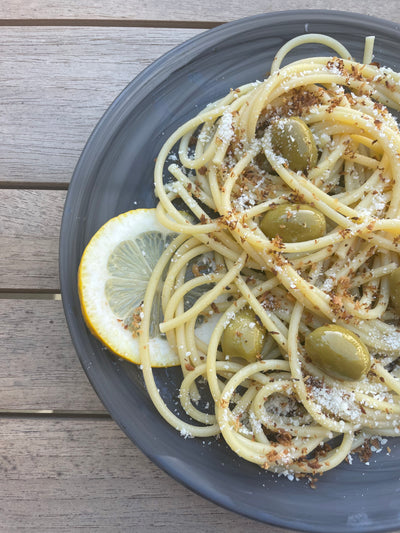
x=112 y=279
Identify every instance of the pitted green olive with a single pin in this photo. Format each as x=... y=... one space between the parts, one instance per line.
x=293 y=140
x=244 y=336
x=293 y=223
x=394 y=285
x=263 y=163
x=338 y=352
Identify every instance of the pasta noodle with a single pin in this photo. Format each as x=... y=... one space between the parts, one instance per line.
x=216 y=179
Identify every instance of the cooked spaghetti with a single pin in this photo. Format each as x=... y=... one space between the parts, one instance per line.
x=233 y=183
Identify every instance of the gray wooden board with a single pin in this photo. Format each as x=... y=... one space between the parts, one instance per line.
x=39 y=366
x=65 y=474
x=29 y=231
x=57 y=83
x=179 y=10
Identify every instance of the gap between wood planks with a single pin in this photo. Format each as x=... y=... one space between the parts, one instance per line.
x=29 y=294
x=52 y=413
x=115 y=23
x=41 y=185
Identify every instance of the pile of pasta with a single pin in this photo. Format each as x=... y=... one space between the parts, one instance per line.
x=216 y=178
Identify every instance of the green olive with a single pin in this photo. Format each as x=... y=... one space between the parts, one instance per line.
x=244 y=336
x=293 y=140
x=394 y=285
x=293 y=223
x=263 y=163
x=338 y=352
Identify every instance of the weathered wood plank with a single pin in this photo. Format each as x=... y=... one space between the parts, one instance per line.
x=61 y=475
x=29 y=233
x=56 y=85
x=39 y=368
x=179 y=10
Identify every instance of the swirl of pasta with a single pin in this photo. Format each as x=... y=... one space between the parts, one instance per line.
x=280 y=408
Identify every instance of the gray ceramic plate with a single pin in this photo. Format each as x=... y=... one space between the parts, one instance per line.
x=113 y=173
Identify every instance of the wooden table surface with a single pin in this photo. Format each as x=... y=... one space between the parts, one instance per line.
x=65 y=465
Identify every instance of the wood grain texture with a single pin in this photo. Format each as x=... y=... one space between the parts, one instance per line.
x=29 y=234
x=73 y=474
x=64 y=475
x=39 y=366
x=56 y=85
x=179 y=10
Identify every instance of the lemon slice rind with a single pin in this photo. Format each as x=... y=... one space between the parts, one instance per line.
x=92 y=277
